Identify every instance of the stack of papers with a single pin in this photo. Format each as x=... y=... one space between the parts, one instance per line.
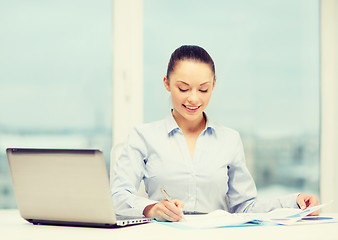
x=290 y=216
x=282 y=216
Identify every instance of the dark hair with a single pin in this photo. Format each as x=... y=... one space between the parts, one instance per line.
x=189 y=52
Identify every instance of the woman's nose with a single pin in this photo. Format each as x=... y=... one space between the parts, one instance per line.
x=193 y=98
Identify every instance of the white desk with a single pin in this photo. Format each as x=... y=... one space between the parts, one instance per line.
x=12 y=226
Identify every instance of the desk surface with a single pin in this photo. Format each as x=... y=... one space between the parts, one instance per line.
x=12 y=226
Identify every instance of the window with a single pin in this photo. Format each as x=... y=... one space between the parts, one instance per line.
x=56 y=71
x=56 y=78
x=267 y=68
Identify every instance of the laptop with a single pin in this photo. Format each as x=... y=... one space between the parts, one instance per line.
x=64 y=187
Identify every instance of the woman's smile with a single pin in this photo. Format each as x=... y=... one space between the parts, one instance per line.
x=191 y=109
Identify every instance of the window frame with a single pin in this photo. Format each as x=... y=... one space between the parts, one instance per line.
x=127 y=67
x=329 y=103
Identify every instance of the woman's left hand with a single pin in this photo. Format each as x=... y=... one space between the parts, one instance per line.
x=304 y=201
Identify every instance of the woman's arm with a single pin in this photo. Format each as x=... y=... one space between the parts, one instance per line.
x=129 y=168
x=242 y=192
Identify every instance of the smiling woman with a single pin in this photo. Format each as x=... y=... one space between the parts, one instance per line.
x=267 y=61
x=190 y=82
x=190 y=155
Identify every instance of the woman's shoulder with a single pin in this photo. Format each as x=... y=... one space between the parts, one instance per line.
x=150 y=127
x=142 y=134
x=222 y=131
x=218 y=127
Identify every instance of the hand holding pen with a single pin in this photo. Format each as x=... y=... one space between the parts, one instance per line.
x=166 y=210
x=175 y=202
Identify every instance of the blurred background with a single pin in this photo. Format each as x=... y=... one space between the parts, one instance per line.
x=56 y=78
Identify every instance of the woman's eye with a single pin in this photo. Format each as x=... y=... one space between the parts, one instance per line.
x=183 y=90
x=204 y=91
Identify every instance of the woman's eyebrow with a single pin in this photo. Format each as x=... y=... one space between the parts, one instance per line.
x=204 y=83
x=184 y=83
x=189 y=84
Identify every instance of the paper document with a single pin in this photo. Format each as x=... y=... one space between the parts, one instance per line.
x=221 y=218
x=218 y=218
x=288 y=216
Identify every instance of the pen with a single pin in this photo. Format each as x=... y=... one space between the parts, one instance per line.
x=166 y=196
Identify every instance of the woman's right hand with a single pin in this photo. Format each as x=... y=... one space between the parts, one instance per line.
x=165 y=210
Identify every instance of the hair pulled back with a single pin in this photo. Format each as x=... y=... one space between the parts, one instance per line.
x=189 y=52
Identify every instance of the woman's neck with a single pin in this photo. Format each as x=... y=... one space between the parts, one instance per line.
x=190 y=126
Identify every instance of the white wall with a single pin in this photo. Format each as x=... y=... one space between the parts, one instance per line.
x=127 y=67
x=329 y=104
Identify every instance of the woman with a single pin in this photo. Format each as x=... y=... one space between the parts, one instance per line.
x=199 y=163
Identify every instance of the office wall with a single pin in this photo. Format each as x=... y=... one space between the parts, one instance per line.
x=127 y=67
x=329 y=97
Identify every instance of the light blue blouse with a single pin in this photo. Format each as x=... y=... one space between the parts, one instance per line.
x=216 y=177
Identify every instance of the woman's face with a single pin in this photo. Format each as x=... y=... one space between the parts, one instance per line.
x=191 y=84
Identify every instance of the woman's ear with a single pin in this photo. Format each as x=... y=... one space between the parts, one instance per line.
x=166 y=83
x=214 y=82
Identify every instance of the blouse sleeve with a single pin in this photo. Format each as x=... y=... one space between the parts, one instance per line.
x=242 y=193
x=129 y=168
